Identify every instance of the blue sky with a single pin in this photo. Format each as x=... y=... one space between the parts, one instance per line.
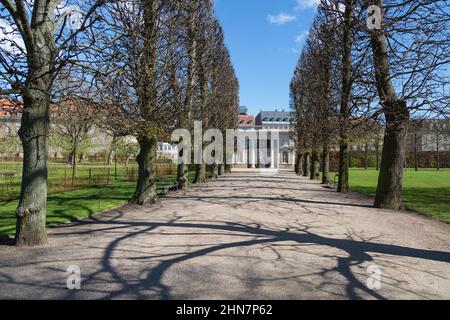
x=265 y=38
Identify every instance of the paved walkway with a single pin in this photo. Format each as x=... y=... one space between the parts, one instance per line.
x=244 y=236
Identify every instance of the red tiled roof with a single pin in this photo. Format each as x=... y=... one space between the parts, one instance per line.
x=9 y=109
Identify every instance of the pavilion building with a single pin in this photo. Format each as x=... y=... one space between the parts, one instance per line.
x=268 y=142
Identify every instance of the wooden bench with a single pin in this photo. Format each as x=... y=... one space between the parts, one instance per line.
x=166 y=189
x=8 y=174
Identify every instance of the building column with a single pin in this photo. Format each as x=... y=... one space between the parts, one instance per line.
x=253 y=156
x=272 y=154
x=251 y=153
x=277 y=154
x=244 y=154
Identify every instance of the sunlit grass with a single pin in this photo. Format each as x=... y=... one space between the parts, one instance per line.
x=425 y=191
x=77 y=204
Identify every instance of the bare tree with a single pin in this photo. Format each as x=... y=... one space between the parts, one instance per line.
x=440 y=130
x=158 y=55
x=73 y=121
x=411 y=55
x=191 y=23
x=37 y=43
x=136 y=89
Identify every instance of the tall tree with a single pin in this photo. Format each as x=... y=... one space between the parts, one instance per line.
x=138 y=55
x=73 y=120
x=411 y=55
x=37 y=44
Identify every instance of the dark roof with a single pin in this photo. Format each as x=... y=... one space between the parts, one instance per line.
x=243 y=110
x=275 y=115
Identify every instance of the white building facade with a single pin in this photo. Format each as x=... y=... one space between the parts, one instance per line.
x=268 y=144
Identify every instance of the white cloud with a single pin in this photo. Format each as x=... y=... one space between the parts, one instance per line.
x=301 y=37
x=281 y=18
x=307 y=4
x=10 y=39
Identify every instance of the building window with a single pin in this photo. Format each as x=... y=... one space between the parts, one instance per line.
x=250 y=122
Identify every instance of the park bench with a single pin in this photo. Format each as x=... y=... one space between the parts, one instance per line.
x=8 y=174
x=166 y=189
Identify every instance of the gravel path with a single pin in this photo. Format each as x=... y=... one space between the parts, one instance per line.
x=249 y=235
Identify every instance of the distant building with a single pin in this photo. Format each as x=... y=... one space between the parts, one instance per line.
x=245 y=121
x=10 y=117
x=167 y=151
x=280 y=120
x=276 y=127
x=10 y=121
x=429 y=135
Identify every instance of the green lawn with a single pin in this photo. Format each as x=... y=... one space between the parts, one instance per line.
x=426 y=191
x=77 y=204
x=60 y=176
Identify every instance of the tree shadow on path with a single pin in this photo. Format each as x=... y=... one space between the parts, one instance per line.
x=358 y=252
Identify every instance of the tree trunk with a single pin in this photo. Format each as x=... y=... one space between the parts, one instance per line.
x=344 y=149
x=182 y=176
x=183 y=170
x=299 y=163
x=227 y=167
x=74 y=164
x=127 y=162
x=438 y=153
x=344 y=163
x=306 y=164
x=74 y=171
x=200 y=173
x=315 y=166
x=146 y=183
x=109 y=155
x=32 y=209
x=366 y=156
x=326 y=164
x=397 y=116
x=416 y=159
x=221 y=169
x=389 y=188
x=215 y=170
x=182 y=173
